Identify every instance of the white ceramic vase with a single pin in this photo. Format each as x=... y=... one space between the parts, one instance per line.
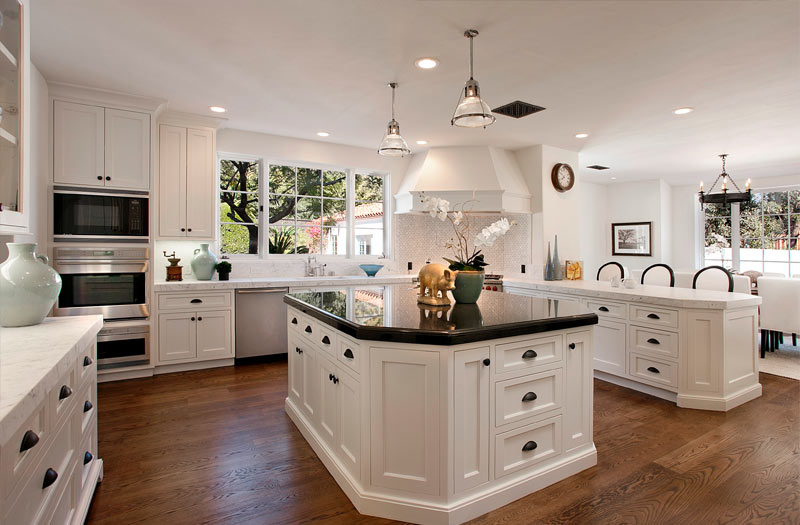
x=203 y=263
x=28 y=286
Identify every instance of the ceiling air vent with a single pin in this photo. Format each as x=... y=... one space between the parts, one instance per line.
x=598 y=167
x=518 y=109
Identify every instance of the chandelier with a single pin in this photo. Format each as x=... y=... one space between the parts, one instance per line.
x=725 y=196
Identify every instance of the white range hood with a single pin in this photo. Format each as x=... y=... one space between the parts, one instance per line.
x=491 y=174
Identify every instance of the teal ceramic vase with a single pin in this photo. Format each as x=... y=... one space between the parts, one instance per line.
x=469 y=285
x=28 y=286
x=558 y=271
x=203 y=263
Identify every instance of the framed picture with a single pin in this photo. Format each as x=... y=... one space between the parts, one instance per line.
x=631 y=238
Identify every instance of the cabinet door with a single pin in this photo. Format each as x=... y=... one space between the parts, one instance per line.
x=295 y=371
x=348 y=445
x=171 y=181
x=471 y=417
x=578 y=390
x=78 y=137
x=127 y=149
x=609 y=347
x=177 y=336
x=214 y=335
x=327 y=416
x=404 y=420
x=201 y=195
x=310 y=395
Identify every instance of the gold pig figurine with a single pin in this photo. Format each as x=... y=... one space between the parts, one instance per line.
x=433 y=279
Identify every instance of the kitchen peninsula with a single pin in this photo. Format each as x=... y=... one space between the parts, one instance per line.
x=440 y=414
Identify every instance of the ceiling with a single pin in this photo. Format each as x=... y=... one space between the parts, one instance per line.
x=615 y=70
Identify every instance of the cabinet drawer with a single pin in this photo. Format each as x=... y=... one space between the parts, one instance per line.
x=527 y=396
x=650 y=341
x=324 y=338
x=180 y=301
x=87 y=407
x=64 y=507
x=654 y=371
x=526 y=446
x=13 y=463
x=654 y=316
x=86 y=365
x=63 y=397
x=293 y=317
x=608 y=308
x=529 y=353
x=349 y=354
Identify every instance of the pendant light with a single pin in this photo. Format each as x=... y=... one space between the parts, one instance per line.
x=472 y=111
x=725 y=197
x=393 y=144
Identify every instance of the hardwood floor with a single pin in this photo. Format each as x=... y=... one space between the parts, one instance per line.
x=215 y=446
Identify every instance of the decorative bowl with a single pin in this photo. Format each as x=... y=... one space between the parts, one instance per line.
x=370 y=269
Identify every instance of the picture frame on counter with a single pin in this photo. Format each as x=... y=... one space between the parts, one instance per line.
x=632 y=238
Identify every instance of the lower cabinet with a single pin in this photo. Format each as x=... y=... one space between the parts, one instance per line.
x=194 y=327
x=610 y=347
x=578 y=391
x=328 y=416
x=471 y=378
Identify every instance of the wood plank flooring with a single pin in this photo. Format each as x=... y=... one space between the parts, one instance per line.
x=215 y=446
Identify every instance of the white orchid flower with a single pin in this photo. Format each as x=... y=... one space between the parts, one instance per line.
x=457 y=217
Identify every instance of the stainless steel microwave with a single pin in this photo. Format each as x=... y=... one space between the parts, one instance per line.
x=91 y=216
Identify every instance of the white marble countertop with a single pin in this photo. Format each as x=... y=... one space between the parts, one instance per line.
x=32 y=358
x=264 y=282
x=655 y=295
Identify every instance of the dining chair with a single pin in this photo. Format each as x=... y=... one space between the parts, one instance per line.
x=713 y=278
x=609 y=270
x=780 y=310
x=659 y=274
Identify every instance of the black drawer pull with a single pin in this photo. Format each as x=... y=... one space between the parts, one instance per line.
x=87 y=406
x=196 y=301
x=29 y=441
x=87 y=361
x=87 y=457
x=653 y=369
x=530 y=396
x=529 y=354
x=294 y=320
x=65 y=392
x=572 y=346
x=50 y=477
x=349 y=354
x=308 y=329
x=530 y=445
x=487 y=362
x=603 y=309
x=653 y=316
x=654 y=341
x=326 y=340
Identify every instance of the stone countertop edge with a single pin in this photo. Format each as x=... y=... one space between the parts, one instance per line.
x=33 y=358
x=263 y=282
x=441 y=337
x=655 y=295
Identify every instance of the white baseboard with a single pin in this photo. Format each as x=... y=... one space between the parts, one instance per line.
x=196 y=365
x=635 y=385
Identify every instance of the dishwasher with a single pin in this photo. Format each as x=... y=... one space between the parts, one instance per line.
x=260 y=322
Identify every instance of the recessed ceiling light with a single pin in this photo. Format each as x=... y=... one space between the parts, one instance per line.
x=426 y=63
x=682 y=111
x=613 y=178
x=323 y=134
x=581 y=135
x=422 y=142
x=217 y=109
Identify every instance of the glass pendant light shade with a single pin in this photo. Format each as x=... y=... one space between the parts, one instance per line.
x=472 y=111
x=393 y=144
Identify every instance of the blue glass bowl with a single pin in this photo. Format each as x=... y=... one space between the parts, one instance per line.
x=370 y=269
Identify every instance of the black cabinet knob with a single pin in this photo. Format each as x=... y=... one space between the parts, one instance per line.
x=191 y=318
x=65 y=392
x=653 y=369
x=108 y=178
x=29 y=440
x=50 y=477
x=603 y=309
x=87 y=361
x=529 y=354
x=183 y=229
x=199 y=318
x=87 y=406
x=297 y=349
x=530 y=396
x=196 y=301
x=294 y=320
x=653 y=316
x=190 y=229
x=308 y=329
x=487 y=362
x=99 y=177
x=330 y=377
x=87 y=457
x=349 y=354
x=653 y=341
x=530 y=445
x=335 y=380
x=572 y=346
x=326 y=340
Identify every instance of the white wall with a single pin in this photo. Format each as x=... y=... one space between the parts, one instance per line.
x=595 y=227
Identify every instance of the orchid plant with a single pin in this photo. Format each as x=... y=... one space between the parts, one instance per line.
x=465 y=258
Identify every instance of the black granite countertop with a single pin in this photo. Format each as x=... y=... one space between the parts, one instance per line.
x=391 y=313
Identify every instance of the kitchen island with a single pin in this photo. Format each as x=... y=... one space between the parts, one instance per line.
x=440 y=414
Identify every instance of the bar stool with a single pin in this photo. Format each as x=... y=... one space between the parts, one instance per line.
x=713 y=278
x=609 y=270
x=659 y=274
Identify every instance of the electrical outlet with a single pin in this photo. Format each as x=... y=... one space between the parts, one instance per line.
x=410 y=265
x=522 y=268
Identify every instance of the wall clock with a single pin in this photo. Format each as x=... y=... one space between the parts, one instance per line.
x=563 y=177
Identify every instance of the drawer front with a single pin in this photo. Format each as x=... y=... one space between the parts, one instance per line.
x=63 y=397
x=527 y=396
x=64 y=507
x=654 y=316
x=349 y=354
x=526 y=446
x=13 y=463
x=650 y=341
x=608 y=308
x=293 y=317
x=86 y=365
x=87 y=407
x=529 y=353
x=325 y=339
x=87 y=461
x=657 y=372
x=182 y=301
x=307 y=327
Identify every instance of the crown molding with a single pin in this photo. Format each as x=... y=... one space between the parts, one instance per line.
x=105 y=97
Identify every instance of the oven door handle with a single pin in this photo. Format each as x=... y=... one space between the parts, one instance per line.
x=123 y=337
x=100 y=267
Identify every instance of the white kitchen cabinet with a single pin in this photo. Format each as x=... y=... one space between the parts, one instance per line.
x=578 y=390
x=472 y=373
x=296 y=385
x=610 y=347
x=177 y=336
x=214 y=334
x=348 y=442
x=96 y=146
x=309 y=397
x=327 y=415
x=186 y=182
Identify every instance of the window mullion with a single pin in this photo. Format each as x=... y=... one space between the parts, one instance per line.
x=350 y=200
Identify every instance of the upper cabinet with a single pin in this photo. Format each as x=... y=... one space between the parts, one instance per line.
x=96 y=146
x=14 y=116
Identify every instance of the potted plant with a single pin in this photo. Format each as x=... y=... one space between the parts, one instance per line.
x=224 y=270
x=468 y=260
